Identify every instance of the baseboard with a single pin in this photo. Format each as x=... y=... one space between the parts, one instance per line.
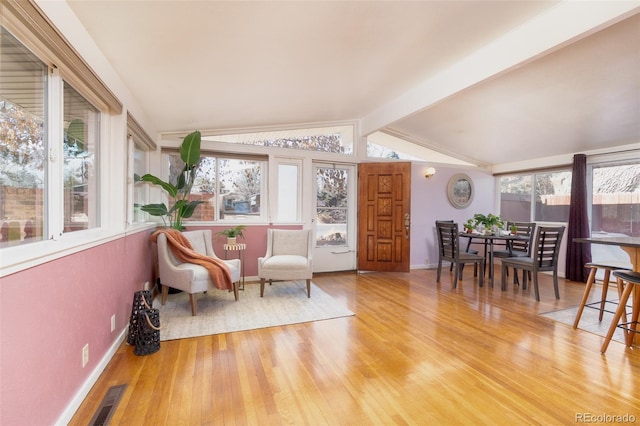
x=82 y=393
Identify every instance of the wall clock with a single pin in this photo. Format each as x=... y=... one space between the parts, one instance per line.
x=460 y=190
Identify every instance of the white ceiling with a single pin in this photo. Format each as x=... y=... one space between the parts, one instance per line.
x=490 y=82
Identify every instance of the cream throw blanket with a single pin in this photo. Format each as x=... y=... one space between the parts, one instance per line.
x=183 y=251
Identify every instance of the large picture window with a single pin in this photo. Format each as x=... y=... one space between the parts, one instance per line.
x=548 y=192
x=49 y=185
x=230 y=187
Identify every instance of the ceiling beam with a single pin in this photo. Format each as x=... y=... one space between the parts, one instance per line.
x=561 y=25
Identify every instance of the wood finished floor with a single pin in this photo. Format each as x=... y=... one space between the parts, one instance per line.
x=415 y=353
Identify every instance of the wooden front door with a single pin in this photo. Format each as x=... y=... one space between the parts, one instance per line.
x=384 y=193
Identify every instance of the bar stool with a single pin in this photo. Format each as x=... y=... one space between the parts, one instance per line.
x=607 y=267
x=633 y=285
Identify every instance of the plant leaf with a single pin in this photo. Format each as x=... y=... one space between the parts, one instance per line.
x=172 y=190
x=188 y=209
x=190 y=149
x=155 y=209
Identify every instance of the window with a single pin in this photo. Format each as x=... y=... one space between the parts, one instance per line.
x=288 y=193
x=49 y=185
x=231 y=188
x=23 y=144
x=139 y=156
x=334 y=139
x=548 y=192
x=332 y=184
x=515 y=198
x=139 y=145
x=553 y=196
x=616 y=199
x=81 y=147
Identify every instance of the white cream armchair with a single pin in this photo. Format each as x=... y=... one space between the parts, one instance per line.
x=189 y=277
x=289 y=257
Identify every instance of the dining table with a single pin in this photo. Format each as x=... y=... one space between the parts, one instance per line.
x=489 y=240
x=631 y=245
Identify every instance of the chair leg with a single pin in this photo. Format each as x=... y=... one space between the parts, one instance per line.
x=309 y=288
x=555 y=284
x=439 y=270
x=481 y=283
x=261 y=287
x=635 y=315
x=165 y=293
x=194 y=304
x=616 y=318
x=235 y=290
x=585 y=297
x=503 y=275
x=535 y=285
x=605 y=289
x=455 y=275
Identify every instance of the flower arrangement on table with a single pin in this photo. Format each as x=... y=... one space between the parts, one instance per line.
x=487 y=223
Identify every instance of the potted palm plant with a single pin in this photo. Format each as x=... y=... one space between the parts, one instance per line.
x=179 y=190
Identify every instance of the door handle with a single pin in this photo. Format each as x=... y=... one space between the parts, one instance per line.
x=407 y=224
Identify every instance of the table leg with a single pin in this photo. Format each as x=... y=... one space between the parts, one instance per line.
x=491 y=261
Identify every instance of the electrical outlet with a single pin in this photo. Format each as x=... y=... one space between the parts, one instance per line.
x=113 y=322
x=85 y=355
x=146 y=286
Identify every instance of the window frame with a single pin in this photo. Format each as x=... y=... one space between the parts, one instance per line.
x=25 y=22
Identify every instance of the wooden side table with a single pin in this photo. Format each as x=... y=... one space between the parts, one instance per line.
x=240 y=248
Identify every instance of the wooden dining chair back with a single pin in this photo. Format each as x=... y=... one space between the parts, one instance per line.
x=544 y=257
x=449 y=250
x=525 y=230
x=518 y=248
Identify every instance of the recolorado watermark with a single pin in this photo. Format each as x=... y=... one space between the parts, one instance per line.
x=605 y=418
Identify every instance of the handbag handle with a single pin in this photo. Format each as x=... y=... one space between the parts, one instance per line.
x=150 y=323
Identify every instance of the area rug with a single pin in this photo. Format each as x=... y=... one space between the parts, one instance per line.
x=589 y=320
x=283 y=303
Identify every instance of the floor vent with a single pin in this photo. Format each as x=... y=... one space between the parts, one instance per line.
x=108 y=405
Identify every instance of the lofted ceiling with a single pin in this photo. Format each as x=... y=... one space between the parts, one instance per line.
x=489 y=82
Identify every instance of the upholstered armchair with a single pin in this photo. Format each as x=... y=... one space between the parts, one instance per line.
x=288 y=257
x=190 y=277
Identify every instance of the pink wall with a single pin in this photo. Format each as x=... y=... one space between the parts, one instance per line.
x=49 y=312
x=254 y=236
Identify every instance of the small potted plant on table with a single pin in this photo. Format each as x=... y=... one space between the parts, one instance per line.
x=232 y=234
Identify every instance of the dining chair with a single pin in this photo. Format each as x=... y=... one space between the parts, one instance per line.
x=544 y=257
x=468 y=249
x=518 y=248
x=449 y=250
